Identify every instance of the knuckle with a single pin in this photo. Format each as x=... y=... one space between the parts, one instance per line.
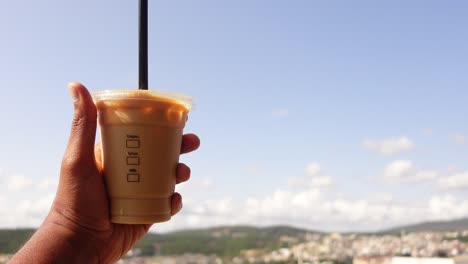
x=81 y=120
x=73 y=163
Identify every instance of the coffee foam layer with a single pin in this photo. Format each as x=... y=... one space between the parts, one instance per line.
x=170 y=97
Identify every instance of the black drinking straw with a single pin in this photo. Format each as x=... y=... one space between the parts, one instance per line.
x=143 y=46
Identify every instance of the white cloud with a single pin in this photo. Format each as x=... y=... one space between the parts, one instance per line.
x=321 y=182
x=404 y=171
x=447 y=207
x=280 y=113
x=313 y=179
x=36 y=208
x=25 y=201
x=454 y=181
x=18 y=183
x=316 y=209
x=384 y=197
x=312 y=206
x=313 y=168
x=458 y=138
x=48 y=184
x=389 y=146
x=398 y=169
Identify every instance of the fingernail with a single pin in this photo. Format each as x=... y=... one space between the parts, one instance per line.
x=74 y=94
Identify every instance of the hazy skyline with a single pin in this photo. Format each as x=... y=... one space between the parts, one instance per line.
x=327 y=115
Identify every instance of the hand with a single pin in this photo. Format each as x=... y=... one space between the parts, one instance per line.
x=81 y=205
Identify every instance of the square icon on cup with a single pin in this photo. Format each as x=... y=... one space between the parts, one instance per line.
x=133 y=177
x=133 y=160
x=132 y=143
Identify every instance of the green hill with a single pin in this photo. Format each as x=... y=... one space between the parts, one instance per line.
x=12 y=239
x=227 y=240
x=222 y=241
x=434 y=226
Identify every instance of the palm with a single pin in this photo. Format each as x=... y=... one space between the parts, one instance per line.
x=87 y=207
x=118 y=238
x=122 y=238
x=87 y=204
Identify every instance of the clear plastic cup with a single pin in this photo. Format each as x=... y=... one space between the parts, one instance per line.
x=141 y=136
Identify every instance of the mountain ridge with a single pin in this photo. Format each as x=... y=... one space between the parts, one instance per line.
x=434 y=226
x=230 y=240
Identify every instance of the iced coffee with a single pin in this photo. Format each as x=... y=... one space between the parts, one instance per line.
x=141 y=134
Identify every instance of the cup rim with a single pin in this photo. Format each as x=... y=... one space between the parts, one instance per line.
x=152 y=95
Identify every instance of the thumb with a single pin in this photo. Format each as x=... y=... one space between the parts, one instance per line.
x=80 y=149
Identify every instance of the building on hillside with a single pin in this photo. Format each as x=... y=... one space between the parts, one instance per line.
x=411 y=260
x=408 y=260
x=372 y=260
x=461 y=259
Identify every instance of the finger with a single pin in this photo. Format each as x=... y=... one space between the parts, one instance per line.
x=80 y=147
x=182 y=173
x=176 y=203
x=98 y=156
x=147 y=227
x=190 y=142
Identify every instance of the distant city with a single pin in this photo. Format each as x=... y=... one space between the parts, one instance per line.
x=334 y=248
x=425 y=243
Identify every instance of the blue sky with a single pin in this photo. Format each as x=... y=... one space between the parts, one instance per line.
x=373 y=94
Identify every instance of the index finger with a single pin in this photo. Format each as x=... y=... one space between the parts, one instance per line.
x=190 y=142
